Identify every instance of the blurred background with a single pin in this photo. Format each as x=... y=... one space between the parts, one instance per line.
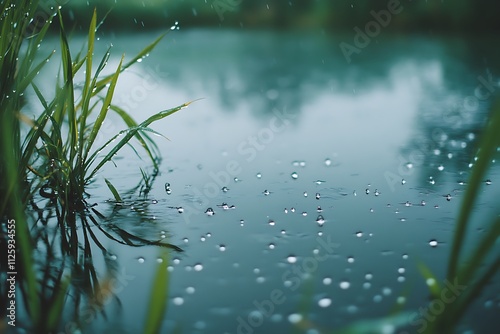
x=417 y=15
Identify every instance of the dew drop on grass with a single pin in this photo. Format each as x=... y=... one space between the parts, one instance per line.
x=291 y=259
x=344 y=285
x=295 y=176
x=324 y=302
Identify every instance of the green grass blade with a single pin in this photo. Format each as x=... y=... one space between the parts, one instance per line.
x=487 y=149
x=129 y=134
x=104 y=110
x=429 y=276
x=56 y=306
x=113 y=190
x=158 y=299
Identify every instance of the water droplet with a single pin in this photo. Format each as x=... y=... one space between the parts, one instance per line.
x=260 y=279
x=328 y=162
x=359 y=234
x=403 y=181
x=318 y=182
x=433 y=243
x=225 y=189
x=259 y=175
x=292 y=209
x=318 y=196
x=198 y=267
x=304 y=213
x=440 y=168
x=430 y=281
x=180 y=209
x=167 y=188
x=409 y=165
x=236 y=179
x=305 y=193
x=222 y=248
x=295 y=176
x=367 y=191
x=186 y=240
x=202 y=238
x=266 y=192
x=271 y=246
x=422 y=203
x=377 y=192
x=377 y=298
x=324 y=302
x=210 y=212
x=319 y=209
x=272 y=222
x=295 y=318
x=320 y=220
x=327 y=281
x=291 y=259
x=350 y=259
x=178 y=301
x=448 y=197
x=488 y=182
x=368 y=276
x=386 y=291
x=344 y=285
x=407 y=203
x=140 y=259
x=405 y=256
x=154 y=201
x=401 y=270
x=190 y=290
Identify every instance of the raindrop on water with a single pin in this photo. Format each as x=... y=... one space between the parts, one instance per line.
x=305 y=193
x=178 y=301
x=266 y=192
x=272 y=222
x=440 y=168
x=225 y=189
x=324 y=302
x=295 y=318
x=198 y=267
x=344 y=285
x=295 y=176
x=140 y=259
x=271 y=246
x=210 y=212
x=222 y=248
x=320 y=220
x=327 y=281
x=328 y=162
x=488 y=182
x=433 y=243
x=291 y=259
x=359 y=234
x=259 y=175
x=318 y=196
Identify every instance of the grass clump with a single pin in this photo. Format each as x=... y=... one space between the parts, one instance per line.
x=48 y=161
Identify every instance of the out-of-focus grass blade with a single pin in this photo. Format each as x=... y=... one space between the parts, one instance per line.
x=56 y=306
x=487 y=148
x=113 y=190
x=32 y=74
x=158 y=297
x=426 y=272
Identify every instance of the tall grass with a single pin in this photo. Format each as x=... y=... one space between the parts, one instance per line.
x=58 y=158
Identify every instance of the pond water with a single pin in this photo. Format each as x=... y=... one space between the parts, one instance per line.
x=329 y=181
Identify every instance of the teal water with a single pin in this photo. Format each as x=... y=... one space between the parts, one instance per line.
x=382 y=144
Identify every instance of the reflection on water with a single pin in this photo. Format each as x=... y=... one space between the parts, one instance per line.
x=298 y=175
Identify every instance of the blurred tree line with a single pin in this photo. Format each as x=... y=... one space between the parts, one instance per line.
x=416 y=15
